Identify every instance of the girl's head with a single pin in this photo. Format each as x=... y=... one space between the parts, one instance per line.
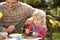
x=38 y=17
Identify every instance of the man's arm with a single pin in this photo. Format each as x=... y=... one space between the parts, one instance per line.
x=27 y=7
x=1 y=24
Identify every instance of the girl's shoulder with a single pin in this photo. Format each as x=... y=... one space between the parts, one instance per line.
x=44 y=27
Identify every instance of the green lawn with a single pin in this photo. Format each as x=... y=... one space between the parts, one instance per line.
x=56 y=36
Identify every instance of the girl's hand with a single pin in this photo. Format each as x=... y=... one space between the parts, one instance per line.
x=27 y=31
x=35 y=34
x=28 y=21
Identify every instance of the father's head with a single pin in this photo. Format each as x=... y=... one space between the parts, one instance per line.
x=11 y=4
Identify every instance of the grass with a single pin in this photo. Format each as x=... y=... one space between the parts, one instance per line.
x=56 y=36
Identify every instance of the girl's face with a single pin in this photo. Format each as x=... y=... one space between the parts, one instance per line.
x=37 y=20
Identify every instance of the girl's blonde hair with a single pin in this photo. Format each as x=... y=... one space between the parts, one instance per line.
x=41 y=13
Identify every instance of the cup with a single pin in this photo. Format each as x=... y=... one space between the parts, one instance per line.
x=4 y=34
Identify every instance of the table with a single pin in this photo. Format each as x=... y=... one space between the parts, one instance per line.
x=28 y=38
x=22 y=37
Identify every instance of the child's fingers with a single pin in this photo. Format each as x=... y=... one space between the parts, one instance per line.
x=27 y=30
x=35 y=34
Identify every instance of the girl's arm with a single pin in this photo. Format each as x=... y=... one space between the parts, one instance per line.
x=28 y=30
x=43 y=34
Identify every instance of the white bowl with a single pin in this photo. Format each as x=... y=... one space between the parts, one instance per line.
x=15 y=35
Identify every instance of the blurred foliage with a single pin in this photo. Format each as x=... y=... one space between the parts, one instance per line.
x=56 y=36
x=58 y=12
x=2 y=0
x=53 y=23
x=58 y=2
x=36 y=3
x=54 y=12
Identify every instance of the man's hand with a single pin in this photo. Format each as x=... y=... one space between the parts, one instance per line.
x=28 y=21
x=10 y=28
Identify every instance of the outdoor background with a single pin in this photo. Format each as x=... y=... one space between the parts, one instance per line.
x=52 y=9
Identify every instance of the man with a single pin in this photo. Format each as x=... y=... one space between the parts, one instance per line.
x=15 y=14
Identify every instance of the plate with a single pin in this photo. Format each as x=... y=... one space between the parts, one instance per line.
x=10 y=39
x=15 y=35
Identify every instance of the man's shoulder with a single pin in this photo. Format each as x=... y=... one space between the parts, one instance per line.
x=2 y=4
x=23 y=3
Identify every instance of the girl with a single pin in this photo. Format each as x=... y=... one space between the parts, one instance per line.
x=37 y=27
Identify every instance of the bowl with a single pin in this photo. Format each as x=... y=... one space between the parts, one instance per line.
x=15 y=35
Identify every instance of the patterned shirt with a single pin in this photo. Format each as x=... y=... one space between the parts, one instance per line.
x=42 y=30
x=16 y=17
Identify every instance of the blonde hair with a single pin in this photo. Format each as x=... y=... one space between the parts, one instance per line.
x=41 y=13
